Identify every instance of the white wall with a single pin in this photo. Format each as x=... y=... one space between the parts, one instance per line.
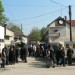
x=1 y=38
x=52 y=25
x=25 y=39
x=61 y=31
x=1 y=32
x=11 y=37
x=73 y=33
x=1 y=46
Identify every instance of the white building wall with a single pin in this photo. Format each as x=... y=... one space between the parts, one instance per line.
x=64 y=33
x=67 y=32
x=52 y=25
x=7 y=42
x=73 y=33
x=11 y=37
x=1 y=38
x=61 y=31
x=9 y=32
x=1 y=32
x=49 y=31
x=25 y=39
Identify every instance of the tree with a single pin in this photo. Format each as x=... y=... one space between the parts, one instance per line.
x=2 y=16
x=35 y=35
x=16 y=29
x=43 y=34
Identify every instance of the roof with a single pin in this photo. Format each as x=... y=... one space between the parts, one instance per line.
x=72 y=22
x=55 y=20
x=24 y=35
x=67 y=21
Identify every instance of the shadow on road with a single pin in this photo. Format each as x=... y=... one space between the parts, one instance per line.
x=39 y=63
x=4 y=69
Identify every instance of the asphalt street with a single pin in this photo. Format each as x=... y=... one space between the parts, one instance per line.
x=36 y=66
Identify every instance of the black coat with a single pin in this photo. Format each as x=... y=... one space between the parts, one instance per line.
x=70 y=52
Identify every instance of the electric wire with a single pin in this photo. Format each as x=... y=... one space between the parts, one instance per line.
x=57 y=3
x=29 y=5
x=38 y=15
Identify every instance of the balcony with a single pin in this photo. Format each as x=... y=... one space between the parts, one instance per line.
x=54 y=34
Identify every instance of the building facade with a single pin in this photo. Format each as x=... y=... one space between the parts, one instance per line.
x=1 y=38
x=58 y=31
x=9 y=37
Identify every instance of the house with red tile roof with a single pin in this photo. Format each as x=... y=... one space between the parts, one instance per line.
x=58 y=31
x=72 y=22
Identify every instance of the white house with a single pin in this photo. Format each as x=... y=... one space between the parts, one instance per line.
x=9 y=36
x=58 y=31
x=24 y=38
x=1 y=38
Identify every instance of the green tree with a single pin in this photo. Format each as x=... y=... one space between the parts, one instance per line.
x=43 y=34
x=35 y=35
x=16 y=29
x=2 y=16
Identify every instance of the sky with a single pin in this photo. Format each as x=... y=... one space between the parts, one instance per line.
x=36 y=13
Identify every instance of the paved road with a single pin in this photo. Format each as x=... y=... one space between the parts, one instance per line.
x=36 y=67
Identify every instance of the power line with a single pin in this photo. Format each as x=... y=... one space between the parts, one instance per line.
x=57 y=3
x=30 y=5
x=9 y=10
x=38 y=15
x=72 y=5
x=40 y=20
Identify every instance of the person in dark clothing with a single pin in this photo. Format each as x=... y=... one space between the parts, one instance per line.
x=22 y=51
x=3 y=58
x=30 y=49
x=12 y=55
x=69 y=55
x=25 y=48
x=45 y=48
x=7 y=54
x=17 y=53
x=62 y=55
x=52 y=55
x=57 y=54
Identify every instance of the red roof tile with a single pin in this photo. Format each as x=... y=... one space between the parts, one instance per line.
x=72 y=22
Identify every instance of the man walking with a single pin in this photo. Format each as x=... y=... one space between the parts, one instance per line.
x=69 y=55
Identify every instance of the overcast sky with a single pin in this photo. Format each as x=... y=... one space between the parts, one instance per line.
x=36 y=13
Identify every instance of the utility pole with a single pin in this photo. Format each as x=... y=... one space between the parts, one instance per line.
x=70 y=22
x=61 y=11
x=21 y=32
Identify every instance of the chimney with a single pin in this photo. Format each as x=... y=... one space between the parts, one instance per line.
x=65 y=18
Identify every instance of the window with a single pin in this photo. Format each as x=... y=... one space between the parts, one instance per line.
x=55 y=30
x=1 y=40
x=73 y=45
x=67 y=45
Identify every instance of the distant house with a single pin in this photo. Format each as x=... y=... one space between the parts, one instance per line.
x=9 y=36
x=58 y=31
x=1 y=38
x=19 y=38
x=24 y=38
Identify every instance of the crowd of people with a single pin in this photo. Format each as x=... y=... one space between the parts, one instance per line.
x=11 y=54
x=55 y=53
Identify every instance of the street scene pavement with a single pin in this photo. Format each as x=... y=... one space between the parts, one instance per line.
x=36 y=66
